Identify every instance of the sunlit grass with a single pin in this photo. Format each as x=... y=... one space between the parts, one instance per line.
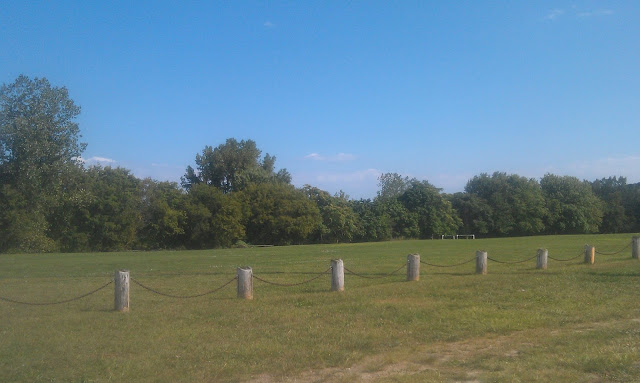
x=572 y=322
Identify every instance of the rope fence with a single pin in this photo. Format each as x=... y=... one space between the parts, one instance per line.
x=244 y=276
x=568 y=259
x=184 y=296
x=511 y=262
x=617 y=252
x=454 y=265
x=378 y=276
x=58 y=302
x=293 y=284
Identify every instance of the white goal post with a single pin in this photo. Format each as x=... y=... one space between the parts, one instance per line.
x=458 y=236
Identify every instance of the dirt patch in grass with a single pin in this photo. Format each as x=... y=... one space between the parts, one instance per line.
x=468 y=360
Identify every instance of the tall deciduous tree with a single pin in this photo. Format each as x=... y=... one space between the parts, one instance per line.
x=39 y=137
x=214 y=219
x=339 y=222
x=516 y=203
x=233 y=166
x=572 y=206
x=163 y=215
x=613 y=193
x=279 y=214
x=39 y=148
x=392 y=185
x=434 y=214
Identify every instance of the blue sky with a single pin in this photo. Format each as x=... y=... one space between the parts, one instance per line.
x=341 y=91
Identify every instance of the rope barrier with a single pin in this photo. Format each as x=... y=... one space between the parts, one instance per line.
x=183 y=296
x=377 y=277
x=457 y=264
x=617 y=252
x=511 y=263
x=292 y=284
x=59 y=302
x=566 y=260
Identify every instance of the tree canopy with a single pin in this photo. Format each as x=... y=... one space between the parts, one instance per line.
x=233 y=166
x=49 y=201
x=39 y=150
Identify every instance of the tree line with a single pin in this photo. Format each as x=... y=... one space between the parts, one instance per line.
x=50 y=201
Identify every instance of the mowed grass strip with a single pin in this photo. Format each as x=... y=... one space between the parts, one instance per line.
x=572 y=322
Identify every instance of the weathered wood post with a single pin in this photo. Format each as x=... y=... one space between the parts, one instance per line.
x=589 y=254
x=121 y=282
x=245 y=282
x=413 y=267
x=541 y=263
x=635 y=247
x=337 y=275
x=481 y=262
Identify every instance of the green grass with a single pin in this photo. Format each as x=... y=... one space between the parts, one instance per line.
x=572 y=322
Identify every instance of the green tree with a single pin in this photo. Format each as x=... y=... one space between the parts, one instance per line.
x=233 y=166
x=39 y=137
x=339 y=222
x=612 y=192
x=375 y=224
x=112 y=219
x=39 y=151
x=279 y=214
x=572 y=206
x=163 y=215
x=516 y=203
x=21 y=228
x=475 y=213
x=214 y=219
x=434 y=213
x=392 y=185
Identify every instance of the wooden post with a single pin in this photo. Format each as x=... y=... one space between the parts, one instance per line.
x=635 y=247
x=541 y=263
x=413 y=267
x=589 y=254
x=245 y=282
x=337 y=275
x=121 y=302
x=481 y=262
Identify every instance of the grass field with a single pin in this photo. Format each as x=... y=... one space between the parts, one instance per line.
x=570 y=323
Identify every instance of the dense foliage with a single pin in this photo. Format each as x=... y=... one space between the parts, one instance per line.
x=50 y=202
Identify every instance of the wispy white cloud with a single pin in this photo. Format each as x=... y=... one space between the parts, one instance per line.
x=96 y=160
x=554 y=14
x=269 y=24
x=596 y=13
x=340 y=157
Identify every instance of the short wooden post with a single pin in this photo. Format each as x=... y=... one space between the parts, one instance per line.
x=541 y=263
x=121 y=301
x=589 y=254
x=245 y=282
x=635 y=247
x=337 y=275
x=413 y=267
x=481 y=262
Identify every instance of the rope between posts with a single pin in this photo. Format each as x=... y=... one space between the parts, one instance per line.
x=292 y=284
x=379 y=276
x=183 y=296
x=617 y=252
x=511 y=263
x=59 y=302
x=565 y=260
x=457 y=264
